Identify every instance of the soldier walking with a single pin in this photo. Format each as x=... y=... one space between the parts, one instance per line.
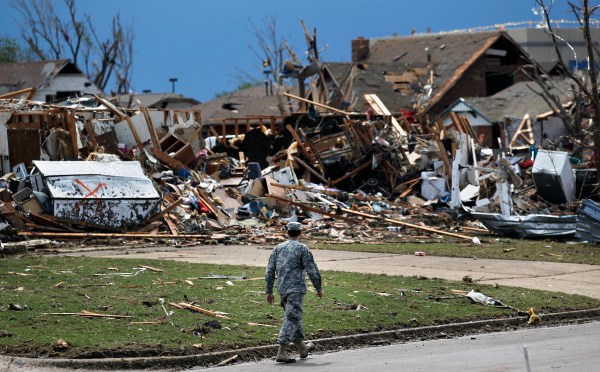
x=291 y=261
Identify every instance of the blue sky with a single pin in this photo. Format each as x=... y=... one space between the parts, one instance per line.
x=205 y=43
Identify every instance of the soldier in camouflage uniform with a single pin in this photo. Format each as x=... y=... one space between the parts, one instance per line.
x=291 y=261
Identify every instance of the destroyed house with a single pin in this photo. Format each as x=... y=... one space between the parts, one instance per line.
x=500 y=115
x=166 y=101
x=428 y=72
x=256 y=101
x=51 y=80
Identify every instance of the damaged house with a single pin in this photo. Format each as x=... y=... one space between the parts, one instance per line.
x=428 y=72
x=45 y=81
x=517 y=117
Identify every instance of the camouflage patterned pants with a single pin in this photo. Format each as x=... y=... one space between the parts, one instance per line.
x=292 y=329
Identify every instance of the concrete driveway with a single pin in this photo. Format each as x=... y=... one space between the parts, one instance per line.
x=560 y=277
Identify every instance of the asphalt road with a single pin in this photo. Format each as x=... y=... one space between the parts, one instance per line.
x=565 y=348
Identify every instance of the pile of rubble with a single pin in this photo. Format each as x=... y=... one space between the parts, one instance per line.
x=104 y=171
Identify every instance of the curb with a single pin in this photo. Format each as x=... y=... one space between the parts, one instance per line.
x=325 y=344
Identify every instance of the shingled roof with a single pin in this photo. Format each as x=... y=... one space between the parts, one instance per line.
x=22 y=75
x=398 y=69
x=519 y=99
x=251 y=101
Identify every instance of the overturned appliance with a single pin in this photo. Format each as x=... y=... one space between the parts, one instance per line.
x=112 y=195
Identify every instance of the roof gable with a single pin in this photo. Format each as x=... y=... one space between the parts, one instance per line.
x=423 y=69
x=21 y=75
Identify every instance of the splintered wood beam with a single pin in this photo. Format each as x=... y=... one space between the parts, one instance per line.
x=111 y=107
x=168 y=209
x=316 y=104
x=171 y=162
x=132 y=235
x=401 y=223
x=183 y=305
x=217 y=135
x=30 y=93
x=72 y=128
x=311 y=209
x=352 y=172
x=51 y=221
x=150 y=124
x=90 y=132
x=171 y=225
x=134 y=132
x=149 y=227
x=311 y=170
x=381 y=109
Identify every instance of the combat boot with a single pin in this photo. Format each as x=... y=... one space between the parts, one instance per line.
x=304 y=348
x=282 y=356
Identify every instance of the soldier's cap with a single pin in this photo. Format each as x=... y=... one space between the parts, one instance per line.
x=294 y=226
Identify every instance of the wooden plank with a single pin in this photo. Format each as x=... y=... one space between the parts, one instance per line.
x=110 y=106
x=151 y=129
x=184 y=305
x=168 y=209
x=171 y=162
x=214 y=133
x=71 y=127
x=311 y=209
x=108 y=235
x=51 y=221
x=171 y=225
x=201 y=195
x=311 y=170
x=316 y=104
x=134 y=132
x=402 y=223
x=149 y=227
x=90 y=132
x=523 y=128
x=30 y=93
x=381 y=109
x=352 y=173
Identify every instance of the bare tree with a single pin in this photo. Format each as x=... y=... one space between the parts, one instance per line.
x=572 y=116
x=587 y=82
x=51 y=36
x=269 y=47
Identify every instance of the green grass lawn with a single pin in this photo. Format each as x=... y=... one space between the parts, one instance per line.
x=491 y=247
x=33 y=287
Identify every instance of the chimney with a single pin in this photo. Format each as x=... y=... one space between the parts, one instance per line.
x=360 y=49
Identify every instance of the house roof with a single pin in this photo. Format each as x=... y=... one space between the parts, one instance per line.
x=156 y=100
x=21 y=75
x=247 y=102
x=519 y=99
x=398 y=69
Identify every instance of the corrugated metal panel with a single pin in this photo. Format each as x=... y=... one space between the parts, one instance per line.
x=461 y=107
x=529 y=226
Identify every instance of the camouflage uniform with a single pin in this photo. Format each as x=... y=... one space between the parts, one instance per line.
x=291 y=261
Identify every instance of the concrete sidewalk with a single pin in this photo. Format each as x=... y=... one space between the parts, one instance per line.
x=560 y=277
